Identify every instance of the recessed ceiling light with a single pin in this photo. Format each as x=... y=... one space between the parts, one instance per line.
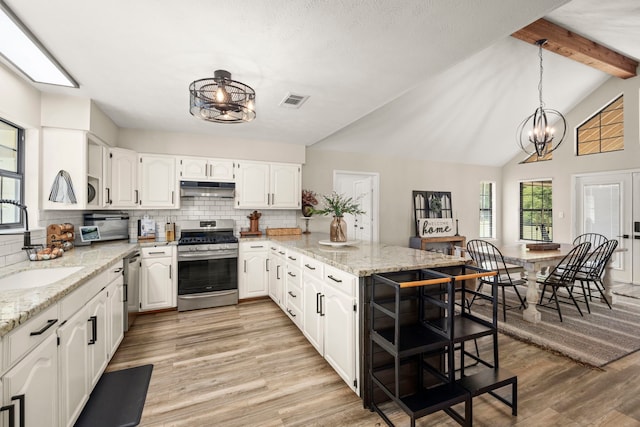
x=26 y=54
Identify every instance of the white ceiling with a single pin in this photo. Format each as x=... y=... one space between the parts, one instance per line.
x=433 y=79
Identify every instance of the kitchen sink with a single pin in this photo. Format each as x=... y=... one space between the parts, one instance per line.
x=35 y=278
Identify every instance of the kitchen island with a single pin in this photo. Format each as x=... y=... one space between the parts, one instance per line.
x=362 y=259
x=325 y=291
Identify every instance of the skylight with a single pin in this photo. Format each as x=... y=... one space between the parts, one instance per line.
x=22 y=50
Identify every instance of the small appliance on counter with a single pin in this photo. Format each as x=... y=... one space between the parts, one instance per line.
x=110 y=225
x=146 y=229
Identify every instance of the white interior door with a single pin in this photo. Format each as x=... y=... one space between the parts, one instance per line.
x=363 y=187
x=604 y=206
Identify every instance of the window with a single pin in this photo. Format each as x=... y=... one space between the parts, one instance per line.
x=604 y=131
x=536 y=213
x=11 y=174
x=487 y=215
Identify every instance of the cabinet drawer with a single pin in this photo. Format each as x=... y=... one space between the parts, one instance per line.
x=114 y=271
x=295 y=314
x=156 y=252
x=294 y=296
x=312 y=267
x=78 y=298
x=30 y=334
x=339 y=279
x=254 y=246
x=294 y=276
x=293 y=258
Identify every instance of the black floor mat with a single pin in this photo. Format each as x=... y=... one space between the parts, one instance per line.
x=118 y=398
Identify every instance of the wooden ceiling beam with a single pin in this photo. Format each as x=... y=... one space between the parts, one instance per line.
x=573 y=46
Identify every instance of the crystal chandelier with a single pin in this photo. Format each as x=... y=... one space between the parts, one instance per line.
x=222 y=100
x=537 y=129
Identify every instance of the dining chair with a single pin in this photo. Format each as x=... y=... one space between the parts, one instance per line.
x=593 y=267
x=594 y=238
x=562 y=276
x=487 y=256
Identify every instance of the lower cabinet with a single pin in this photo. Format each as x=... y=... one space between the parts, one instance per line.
x=74 y=367
x=277 y=267
x=158 y=278
x=330 y=313
x=253 y=274
x=293 y=293
x=115 y=308
x=29 y=387
x=88 y=339
x=98 y=336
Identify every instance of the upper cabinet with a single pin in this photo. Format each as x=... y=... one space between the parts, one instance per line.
x=122 y=189
x=158 y=186
x=72 y=169
x=262 y=185
x=203 y=169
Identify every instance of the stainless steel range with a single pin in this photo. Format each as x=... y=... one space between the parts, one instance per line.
x=207 y=264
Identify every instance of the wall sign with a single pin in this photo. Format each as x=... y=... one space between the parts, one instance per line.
x=434 y=227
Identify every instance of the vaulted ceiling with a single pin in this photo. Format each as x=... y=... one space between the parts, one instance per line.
x=425 y=79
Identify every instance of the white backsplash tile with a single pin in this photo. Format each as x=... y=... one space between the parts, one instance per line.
x=193 y=208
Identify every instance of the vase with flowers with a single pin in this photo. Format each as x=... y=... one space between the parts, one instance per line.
x=338 y=205
x=309 y=200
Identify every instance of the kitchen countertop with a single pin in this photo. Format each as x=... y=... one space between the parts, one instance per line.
x=19 y=305
x=363 y=259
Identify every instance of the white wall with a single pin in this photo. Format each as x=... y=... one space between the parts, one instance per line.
x=149 y=141
x=565 y=163
x=398 y=178
x=20 y=104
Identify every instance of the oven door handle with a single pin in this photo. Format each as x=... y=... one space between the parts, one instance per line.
x=206 y=256
x=207 y=294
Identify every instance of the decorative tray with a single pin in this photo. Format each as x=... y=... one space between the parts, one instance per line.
x=338 y=244
x=543 y=246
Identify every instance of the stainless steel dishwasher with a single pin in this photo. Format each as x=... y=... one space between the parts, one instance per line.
x=132 y=288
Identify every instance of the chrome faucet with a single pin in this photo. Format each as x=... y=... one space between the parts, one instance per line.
x=27 y=234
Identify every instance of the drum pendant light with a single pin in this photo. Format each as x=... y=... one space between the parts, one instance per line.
x=537 y=129
x=222 y=100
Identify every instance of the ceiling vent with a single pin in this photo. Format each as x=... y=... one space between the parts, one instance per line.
x=292 y=100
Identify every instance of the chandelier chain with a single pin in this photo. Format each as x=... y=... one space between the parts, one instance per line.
x=541 y=72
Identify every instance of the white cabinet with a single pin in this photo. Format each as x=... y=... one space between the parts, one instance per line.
x=74 y=367
x=312 y=283
x=330 y=313
x=204 y=169
x=158 y=278
x=66 y=151
x=157 y=182
x=253 y=276
x=340 y=332
x=115 y=308
x=267 y=185
x=293 y=294
x=276 y=273
x=284 y=183
x=98 y=336
x=122 y=189
x=31 y=387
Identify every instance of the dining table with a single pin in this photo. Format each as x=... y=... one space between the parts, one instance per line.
x=536 y=261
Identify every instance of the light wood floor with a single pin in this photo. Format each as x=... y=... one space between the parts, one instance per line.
x=248 y=365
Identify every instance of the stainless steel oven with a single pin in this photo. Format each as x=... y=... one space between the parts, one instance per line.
x=207 y=264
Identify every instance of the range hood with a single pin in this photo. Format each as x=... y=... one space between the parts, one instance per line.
x=220 y=190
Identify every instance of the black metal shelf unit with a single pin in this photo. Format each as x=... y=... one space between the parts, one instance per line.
x=416 y=332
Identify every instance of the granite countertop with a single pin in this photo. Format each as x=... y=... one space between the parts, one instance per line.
x=364 y=259
x=19 y=305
